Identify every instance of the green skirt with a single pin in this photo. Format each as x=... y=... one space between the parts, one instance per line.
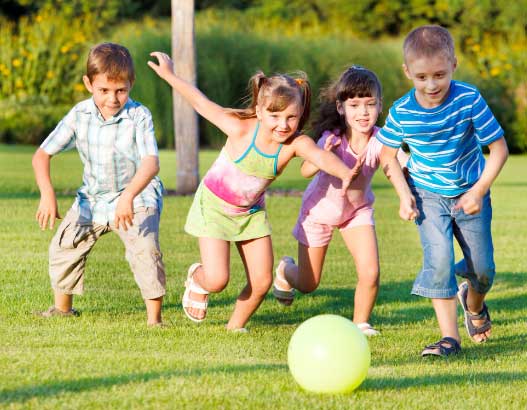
x=208 y=217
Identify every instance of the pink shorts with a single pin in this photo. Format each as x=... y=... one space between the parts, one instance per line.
x=313 y=234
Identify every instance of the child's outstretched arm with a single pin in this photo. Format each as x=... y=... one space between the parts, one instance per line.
x=327 y=161
x=47 y=209
x=392 y=169
x=213 y=112
x=331 y=141
x=472 y=200
x=124 y=212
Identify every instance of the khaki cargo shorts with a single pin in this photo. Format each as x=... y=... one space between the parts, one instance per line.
x=75 y=238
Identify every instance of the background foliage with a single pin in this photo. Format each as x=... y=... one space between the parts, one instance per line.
x=44 y=44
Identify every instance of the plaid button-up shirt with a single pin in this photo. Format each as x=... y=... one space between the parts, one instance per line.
x=111 y=152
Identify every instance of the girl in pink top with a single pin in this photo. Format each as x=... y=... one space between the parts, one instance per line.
x=350 y=108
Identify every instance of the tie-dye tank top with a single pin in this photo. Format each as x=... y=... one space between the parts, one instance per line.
x=241 y=183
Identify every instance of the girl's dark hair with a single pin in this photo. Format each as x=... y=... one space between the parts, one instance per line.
x=275 y=93
x=356 y=81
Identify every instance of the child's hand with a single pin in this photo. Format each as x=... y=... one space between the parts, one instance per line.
x=332 y=140
x=124 y=212
x=408 y=209
x=47 y=212
x=165 y=66
x=470 y=202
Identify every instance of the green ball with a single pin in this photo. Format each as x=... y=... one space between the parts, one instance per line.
x=328 y=354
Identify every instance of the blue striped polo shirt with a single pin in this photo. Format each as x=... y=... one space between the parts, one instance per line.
x=111 y=151
x=445 y=141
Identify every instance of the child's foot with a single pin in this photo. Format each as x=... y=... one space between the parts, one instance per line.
x=237 y=329
x=478 y=325
x=282 y=290
x=445 y=347
x=195 y=298
x=54 y=312
x=157 y=325
x=368 y=329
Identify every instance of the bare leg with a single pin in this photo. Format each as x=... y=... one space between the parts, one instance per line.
x=213 y=275
x=362 y=244
x=475 y=306
x=446 y=313
x=306 y=276
x=63 y=302
x=257 y=257
x=153 y=311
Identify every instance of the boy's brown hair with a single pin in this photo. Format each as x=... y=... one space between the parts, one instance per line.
x=110 y=59
x=427 y=41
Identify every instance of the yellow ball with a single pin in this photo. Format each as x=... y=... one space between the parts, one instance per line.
x=328 y=354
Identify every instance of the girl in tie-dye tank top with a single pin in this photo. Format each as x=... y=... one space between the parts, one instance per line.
x=229 y=204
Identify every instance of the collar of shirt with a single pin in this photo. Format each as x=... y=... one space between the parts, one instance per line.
x=92 y=109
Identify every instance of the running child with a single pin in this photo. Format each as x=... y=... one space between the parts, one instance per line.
x=445 y=123
x=350 y=108
x=229 y=205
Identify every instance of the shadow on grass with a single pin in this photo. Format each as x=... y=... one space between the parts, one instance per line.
x=340 y=301
x=59 y=387
x=384 y=383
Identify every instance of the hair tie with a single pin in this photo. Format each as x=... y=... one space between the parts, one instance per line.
x=300 y=81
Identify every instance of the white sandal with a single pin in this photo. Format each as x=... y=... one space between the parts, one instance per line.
x=191 y=286
x=368 y=329
x=283 y=295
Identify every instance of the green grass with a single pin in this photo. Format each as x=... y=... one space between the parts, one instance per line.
x=107 y=359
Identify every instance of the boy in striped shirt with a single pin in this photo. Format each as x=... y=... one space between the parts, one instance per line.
x=444 y=123
x=114 y=136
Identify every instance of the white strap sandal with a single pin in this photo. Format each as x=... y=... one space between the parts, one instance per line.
x=191 y=286
x=281 y=293
x=368 y=329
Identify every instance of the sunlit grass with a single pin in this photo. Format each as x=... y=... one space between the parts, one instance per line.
x=108 y=359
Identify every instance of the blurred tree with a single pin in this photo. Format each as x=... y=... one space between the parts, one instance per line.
x=14 y=9
x=233 y=4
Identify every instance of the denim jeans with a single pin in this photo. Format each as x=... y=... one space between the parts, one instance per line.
x=438 y=225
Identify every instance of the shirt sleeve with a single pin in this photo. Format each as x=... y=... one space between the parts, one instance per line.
x=392 y=133
x=62 y=138
x=486 y=127
x=145 y=135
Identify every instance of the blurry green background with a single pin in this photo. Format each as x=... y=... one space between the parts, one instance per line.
x=44 y=44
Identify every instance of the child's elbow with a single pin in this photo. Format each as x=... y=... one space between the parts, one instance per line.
x=155 y=168
x=38 y=157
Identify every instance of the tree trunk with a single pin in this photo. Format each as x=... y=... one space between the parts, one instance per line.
x=185 y=118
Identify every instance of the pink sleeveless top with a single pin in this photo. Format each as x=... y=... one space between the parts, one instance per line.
x=242 y=182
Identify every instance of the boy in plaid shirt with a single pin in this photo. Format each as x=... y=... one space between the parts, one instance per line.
x=114 y=136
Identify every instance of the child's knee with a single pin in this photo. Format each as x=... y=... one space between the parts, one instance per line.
x=484 y=280
x=215 y=284
x=369 y=278
x=263 y=286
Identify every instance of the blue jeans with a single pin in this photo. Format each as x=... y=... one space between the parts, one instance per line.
x=438 y=225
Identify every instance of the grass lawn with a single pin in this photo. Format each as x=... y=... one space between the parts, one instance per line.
x=108 y=359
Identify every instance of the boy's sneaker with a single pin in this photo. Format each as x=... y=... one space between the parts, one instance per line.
x=54 y=312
